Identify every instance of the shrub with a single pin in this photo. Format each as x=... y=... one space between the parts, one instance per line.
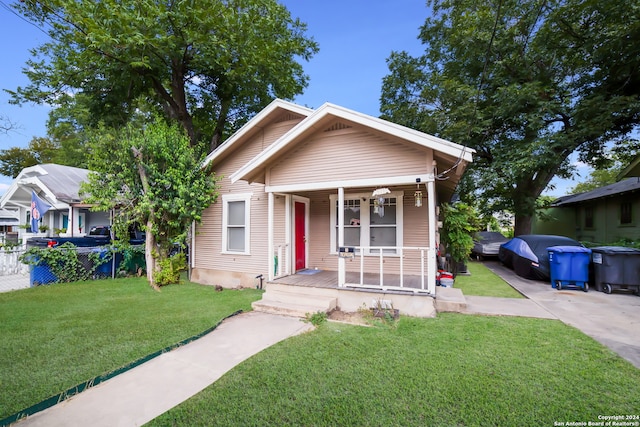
x=64 y=262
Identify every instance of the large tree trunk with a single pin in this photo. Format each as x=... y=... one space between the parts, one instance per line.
x=150 y=240
x=150 y=260
x=523 y=224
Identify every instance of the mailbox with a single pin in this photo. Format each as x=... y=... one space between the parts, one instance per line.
x=347 y=252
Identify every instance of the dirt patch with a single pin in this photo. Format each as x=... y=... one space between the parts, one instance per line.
x=356 y=318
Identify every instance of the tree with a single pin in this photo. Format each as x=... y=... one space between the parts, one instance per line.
x=524 y=83
x=207 y=65
x=6 y=124
x=150 y=176
x=607 y=172
x=40 y=150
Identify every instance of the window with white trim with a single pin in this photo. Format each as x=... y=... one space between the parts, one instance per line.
x=235 y=223
x=369 y=225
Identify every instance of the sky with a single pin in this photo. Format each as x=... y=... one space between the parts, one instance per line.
x=355 y=38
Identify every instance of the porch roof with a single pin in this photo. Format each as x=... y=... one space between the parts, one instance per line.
x=457 y=154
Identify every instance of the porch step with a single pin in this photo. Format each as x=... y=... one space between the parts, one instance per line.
x=450 y=300
x=294 y=303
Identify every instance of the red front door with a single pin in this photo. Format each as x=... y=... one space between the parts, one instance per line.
x=300 y=237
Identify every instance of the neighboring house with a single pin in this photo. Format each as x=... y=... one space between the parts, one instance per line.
x=59 y=186
x=326 y=198
x=604 y=215
x=9 y=221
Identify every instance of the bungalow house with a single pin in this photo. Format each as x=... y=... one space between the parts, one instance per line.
x=59 y=187
x=331 y=206
x=8 y=222
x=604 y=215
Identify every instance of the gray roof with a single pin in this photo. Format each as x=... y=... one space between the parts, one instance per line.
x=64 y=181
x=627 y=185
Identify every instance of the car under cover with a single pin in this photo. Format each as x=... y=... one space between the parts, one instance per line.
x=487 y=243
x=527 y=254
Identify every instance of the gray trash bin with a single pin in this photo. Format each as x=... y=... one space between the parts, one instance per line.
x=616 y=267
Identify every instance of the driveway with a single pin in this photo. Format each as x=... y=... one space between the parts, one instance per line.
x=613 y=320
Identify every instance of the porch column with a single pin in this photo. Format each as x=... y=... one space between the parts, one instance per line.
x=342 y=262
x=270 y=213
x=71 y=222
x=433 y=228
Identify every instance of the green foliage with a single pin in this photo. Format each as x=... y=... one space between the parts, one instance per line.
x=525 y=84
x=461 y=220
x=152 y=177
x=316 y=318
x=64 y=261
x=14 y=159
x=607 y=173
x=208 y=65
x=170 y=268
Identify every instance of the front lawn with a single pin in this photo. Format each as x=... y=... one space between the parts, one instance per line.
x=55 y=337
x=453 y=370
x=483 y=282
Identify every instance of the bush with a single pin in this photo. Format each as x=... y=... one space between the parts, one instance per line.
x=64 y=262
x=170 y=269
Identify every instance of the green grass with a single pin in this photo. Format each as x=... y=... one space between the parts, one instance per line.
x=55 y=337
x=453 y=370
x=483 y=282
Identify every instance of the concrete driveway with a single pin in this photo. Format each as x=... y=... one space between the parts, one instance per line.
x=611 y=319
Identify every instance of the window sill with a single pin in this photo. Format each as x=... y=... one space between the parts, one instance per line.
x=235 y=253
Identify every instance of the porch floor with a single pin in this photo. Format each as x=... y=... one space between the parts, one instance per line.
x=329 y=279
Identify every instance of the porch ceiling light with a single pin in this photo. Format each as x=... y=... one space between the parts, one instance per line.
x=378 y=200
x=418 y=197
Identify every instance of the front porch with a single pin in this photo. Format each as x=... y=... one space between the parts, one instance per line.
x=299 y=294
x=392 y=283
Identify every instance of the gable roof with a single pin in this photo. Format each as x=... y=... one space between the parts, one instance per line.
x=625 y=186
x=57 y=183
x=633 y=169
x=259 y=121
x=313 y=120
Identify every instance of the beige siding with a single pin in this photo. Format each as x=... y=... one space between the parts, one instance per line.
x=347 y=154
x=209 y=261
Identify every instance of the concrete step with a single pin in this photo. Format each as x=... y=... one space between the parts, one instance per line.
x=293 y=303
x=450 y=300
x=301 y=297
x=287 y=309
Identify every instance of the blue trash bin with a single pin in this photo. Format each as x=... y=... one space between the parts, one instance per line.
x=41 y=274
x=104 y=269
x=569 y=266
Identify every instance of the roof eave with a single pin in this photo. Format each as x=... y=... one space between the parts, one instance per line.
x=255 y=121
x=464 y=154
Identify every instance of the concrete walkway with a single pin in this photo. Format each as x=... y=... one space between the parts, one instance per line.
x=141 y=394
x=611 y=319
x=14 y=282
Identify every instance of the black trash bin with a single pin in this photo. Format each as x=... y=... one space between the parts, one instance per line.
x=616 y=267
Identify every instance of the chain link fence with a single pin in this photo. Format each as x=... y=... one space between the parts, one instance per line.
x=67 y=263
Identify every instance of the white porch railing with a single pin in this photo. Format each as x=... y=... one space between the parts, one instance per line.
x=415 y=282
